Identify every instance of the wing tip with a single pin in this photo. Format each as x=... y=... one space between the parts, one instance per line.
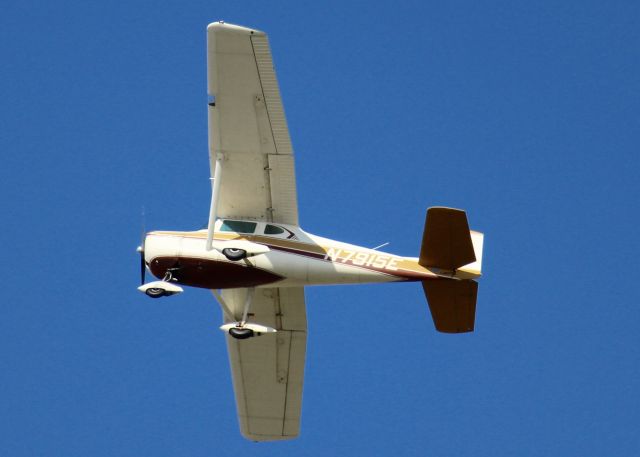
x=221 y=26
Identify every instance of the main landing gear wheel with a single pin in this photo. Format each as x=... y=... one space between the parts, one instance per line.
x=240 y=333
x=234 y=254
x=155 y=292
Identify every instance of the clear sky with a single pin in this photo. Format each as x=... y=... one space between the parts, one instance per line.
x=526 y=114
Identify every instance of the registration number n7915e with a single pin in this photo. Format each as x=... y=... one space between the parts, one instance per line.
x=365 y=259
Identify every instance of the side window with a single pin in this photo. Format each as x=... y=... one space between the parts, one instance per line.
x=273 y=230
x=238 y=226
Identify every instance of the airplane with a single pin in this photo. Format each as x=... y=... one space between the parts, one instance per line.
x=257 y=260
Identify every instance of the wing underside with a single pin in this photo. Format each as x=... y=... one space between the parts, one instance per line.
x=247 y=125
x=268 y=370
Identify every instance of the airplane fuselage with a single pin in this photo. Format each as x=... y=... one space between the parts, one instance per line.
x=295 y=258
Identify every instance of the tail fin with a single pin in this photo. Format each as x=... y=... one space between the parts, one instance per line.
x=446 y=241
x=452 y=303
x=451 y=249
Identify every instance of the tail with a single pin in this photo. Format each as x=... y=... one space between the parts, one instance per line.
x=454 y=252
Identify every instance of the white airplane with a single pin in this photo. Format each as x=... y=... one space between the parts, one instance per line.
x=257 y=260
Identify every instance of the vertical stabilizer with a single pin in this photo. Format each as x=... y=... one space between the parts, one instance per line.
x=446 y=241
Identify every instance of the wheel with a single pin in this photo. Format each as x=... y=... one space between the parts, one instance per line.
x=155 y=292
x=240 y=333
x=234 y=254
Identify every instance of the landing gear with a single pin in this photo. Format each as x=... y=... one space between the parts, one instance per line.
x=234 y=254
x=242 y=329
x=241 y=333
x=157 y=289
x=155 y=292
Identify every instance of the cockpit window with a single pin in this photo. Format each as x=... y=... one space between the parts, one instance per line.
x=273 y=230
x=238 y=226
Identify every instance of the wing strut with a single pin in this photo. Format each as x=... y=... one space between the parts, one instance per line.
x=215 y=198
x=228 y=314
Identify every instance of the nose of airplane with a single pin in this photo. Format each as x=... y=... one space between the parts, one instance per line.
x=161 y=251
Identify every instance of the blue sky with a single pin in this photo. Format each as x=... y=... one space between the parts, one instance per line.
x=526 y=114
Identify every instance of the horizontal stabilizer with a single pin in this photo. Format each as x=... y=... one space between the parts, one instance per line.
x=452 y=304
x=446 y=241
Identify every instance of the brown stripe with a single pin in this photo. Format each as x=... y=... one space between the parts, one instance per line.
x=211 y=274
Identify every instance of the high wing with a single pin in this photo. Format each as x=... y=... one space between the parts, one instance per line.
x=268 y=370
x=247 y=126
x=248 y=133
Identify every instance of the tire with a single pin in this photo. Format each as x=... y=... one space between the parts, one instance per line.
x=234 y=254
x=155 y=292
x=240 y=333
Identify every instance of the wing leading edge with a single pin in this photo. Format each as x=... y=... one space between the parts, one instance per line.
x=247 y=125
x=268 y=370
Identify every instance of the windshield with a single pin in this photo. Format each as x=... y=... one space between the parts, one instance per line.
x=238 y=226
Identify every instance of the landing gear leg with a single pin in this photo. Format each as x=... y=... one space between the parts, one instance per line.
x=240 y=331
x=247 y=304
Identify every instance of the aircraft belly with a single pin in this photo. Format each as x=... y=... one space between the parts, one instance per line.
x=211 y=274
x=190 y=264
